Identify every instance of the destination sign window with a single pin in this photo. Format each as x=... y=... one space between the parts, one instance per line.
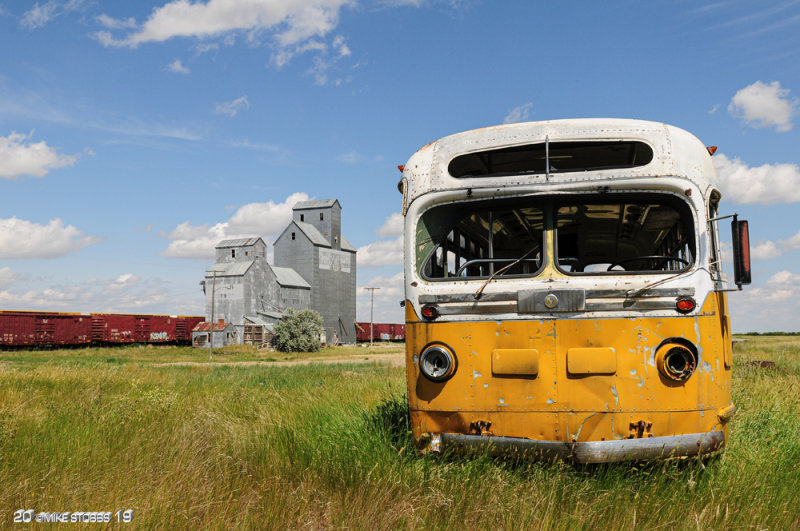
x=563 y=156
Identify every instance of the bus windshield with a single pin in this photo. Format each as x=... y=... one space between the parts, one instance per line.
x=645 y=234
x=618 y=234
x=475 y=240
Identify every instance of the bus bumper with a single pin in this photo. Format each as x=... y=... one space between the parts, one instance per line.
x=691 y=444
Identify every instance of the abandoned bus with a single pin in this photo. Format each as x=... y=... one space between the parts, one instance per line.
x=564 y=296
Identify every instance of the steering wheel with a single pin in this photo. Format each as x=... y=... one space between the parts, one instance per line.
x=651 y=257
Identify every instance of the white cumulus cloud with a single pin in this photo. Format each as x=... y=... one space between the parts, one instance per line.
x=125 y=294
x=765 y=250
x=114 y=23
x=765 y=184
x=20 y=238
x=784 y=278
x=762 y=105
x=19 y=156
x=381 y=253
x=385 y=305
x=792 y=242
x=253 y=219
x=518 y=114
x=290 y=23
x=177 y=67
x=232 y=108
x=393 y=226
x=390 y=287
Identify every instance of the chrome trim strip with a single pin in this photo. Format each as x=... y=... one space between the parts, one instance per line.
x=690 y=444
x=466 y=297
x=479 y=308
x=590 y=294
x=649 y=293
x=630 y=304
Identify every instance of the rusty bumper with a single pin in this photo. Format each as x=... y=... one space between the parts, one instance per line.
x=691 y=444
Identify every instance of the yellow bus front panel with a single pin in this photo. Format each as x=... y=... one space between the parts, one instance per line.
x=571 y=380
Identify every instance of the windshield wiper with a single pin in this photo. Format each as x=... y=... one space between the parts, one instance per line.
x=509 y=266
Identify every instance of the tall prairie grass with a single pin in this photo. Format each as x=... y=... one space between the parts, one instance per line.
x=215 y=445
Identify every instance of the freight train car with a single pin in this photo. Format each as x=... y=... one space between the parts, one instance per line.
x=380 y=331
x=25 y=329
x=123 y=328
x=44 y=329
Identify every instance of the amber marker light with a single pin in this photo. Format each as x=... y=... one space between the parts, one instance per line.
x=685 y=304
x=430 y=312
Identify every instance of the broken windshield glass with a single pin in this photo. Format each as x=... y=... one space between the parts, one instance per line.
x=475 y=240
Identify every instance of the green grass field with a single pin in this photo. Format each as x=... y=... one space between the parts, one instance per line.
x=219 y=444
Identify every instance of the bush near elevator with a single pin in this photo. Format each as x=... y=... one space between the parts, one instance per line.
x=298 y=331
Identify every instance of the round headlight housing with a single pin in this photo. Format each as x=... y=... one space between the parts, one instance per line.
x=438 y=362
x=676 y=359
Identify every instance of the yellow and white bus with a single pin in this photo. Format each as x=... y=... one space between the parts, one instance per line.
x=564 y=295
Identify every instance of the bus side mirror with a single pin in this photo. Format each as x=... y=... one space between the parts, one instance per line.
x=741 y=252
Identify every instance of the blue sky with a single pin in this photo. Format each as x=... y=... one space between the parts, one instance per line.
x=134 y=135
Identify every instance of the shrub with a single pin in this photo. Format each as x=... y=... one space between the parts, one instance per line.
x=298 y=331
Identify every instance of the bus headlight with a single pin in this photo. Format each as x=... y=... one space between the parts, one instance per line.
x=437 y=362
x=676 y=359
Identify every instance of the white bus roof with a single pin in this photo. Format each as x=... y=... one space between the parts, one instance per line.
x=676 y=153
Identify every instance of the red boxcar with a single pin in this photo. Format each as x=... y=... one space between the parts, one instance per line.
x=125 y=328
x=381 y=331
x=18 y=329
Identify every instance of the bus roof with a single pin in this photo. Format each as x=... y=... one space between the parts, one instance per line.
x=676 y=153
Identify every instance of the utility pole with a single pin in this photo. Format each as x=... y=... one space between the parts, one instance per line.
x=211 y=331
x=371 y=306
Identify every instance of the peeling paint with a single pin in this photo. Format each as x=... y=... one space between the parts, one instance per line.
x=475 y=374
x=551 y=401
x=616 y=395
x=580 y=428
